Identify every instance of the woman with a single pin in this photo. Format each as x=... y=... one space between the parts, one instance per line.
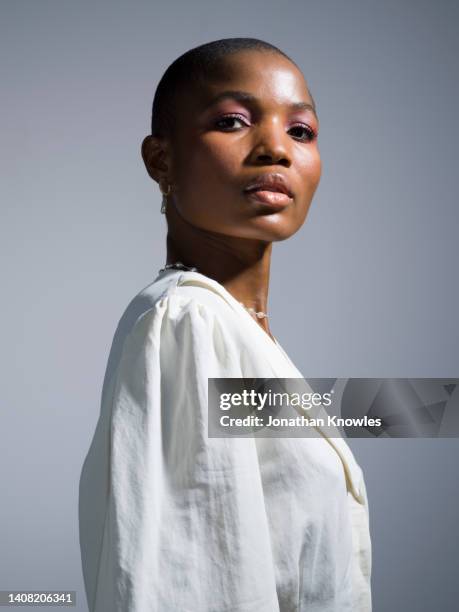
x=172 y=520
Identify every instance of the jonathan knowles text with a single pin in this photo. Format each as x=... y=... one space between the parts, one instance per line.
x=259 y=401
x=298 y=421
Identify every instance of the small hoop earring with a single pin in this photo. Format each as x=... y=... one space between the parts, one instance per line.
x=165 y=195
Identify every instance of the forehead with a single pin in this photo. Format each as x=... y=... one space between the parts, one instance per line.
x=270 y=77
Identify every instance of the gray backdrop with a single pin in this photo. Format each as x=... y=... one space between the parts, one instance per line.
x=368 y=287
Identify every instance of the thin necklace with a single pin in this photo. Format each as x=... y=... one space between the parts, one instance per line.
x=180 y=266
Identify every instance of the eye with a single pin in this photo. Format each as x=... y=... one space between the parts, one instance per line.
x=310 y=134
x=228 y=119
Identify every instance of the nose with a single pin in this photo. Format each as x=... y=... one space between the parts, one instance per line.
x=271 y=144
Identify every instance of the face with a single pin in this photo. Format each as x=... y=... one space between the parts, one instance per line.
x=224 y=142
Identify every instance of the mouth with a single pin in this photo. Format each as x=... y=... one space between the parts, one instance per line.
x=273 y=199
x=271 y=188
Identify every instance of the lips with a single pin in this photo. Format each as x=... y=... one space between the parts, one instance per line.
x=270 y=182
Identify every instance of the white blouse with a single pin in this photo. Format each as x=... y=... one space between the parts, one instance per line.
x=174 y=521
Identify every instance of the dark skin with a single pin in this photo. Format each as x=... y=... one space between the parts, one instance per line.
x=210 y=158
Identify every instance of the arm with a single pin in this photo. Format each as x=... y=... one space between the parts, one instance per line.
x=185 y=525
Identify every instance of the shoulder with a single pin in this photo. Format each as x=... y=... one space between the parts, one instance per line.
x=168 y=321
x=187 y=314
x=180 y=300
x=182 y=317
x=182 y=335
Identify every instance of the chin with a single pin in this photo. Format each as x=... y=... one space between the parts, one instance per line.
x=271 y=228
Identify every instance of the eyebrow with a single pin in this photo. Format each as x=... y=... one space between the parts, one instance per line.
x=244 y=96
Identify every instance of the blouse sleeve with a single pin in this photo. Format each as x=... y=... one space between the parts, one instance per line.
x=184 y=525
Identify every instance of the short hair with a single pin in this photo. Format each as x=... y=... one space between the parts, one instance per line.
x=190 y=69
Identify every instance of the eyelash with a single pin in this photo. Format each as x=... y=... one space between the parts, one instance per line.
x=309 y=130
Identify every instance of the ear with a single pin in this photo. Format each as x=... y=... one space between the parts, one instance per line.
x=155 y=157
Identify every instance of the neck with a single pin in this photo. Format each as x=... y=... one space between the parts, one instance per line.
x=241 y=265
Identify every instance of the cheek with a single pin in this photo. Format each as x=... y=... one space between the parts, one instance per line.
x=311 y=170
x=213 y=159
x=205 y=173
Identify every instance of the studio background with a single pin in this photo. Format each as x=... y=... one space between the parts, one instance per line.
x=82 y=233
